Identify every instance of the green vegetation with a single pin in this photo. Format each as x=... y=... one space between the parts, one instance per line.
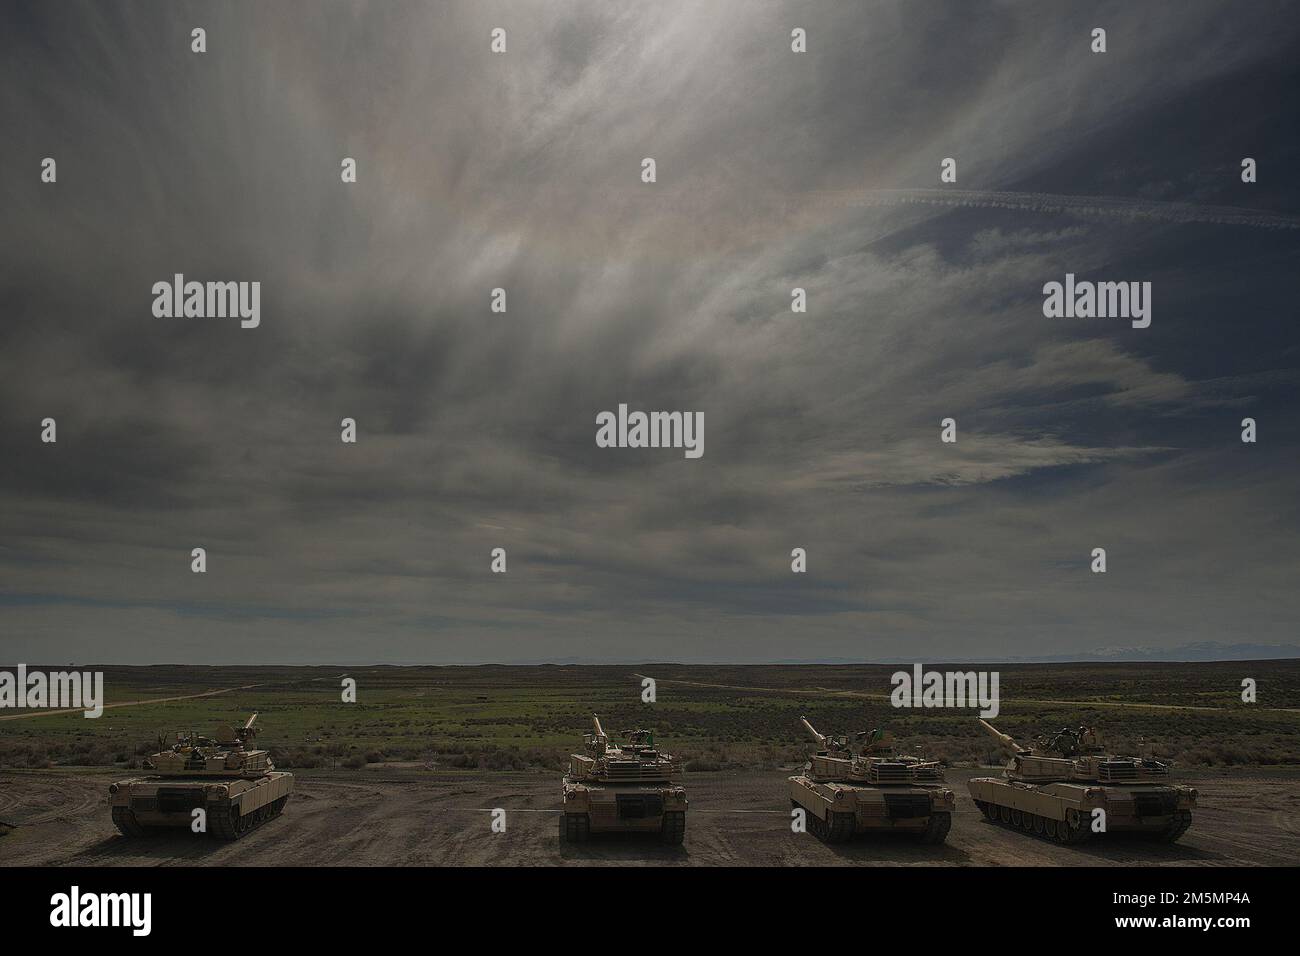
x=715 y=717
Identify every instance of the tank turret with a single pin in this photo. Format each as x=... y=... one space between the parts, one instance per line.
x=1074 y=754
x=223 y=755
x=635 y=759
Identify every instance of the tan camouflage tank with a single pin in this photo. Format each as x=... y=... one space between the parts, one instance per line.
x=622 y=788
x=874 y=790
x=238 y=789
x=1053 y=789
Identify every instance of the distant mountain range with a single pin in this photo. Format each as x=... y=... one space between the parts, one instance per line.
x=1199 y=651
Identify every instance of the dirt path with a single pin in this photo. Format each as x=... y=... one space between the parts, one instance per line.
x=129 y=703
x=159 y=700
x=415 y=817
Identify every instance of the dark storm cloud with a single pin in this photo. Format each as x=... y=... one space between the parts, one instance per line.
x=477 y=429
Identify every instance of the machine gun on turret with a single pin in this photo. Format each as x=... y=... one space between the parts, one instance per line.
x=1070 y=742
x=639 y=740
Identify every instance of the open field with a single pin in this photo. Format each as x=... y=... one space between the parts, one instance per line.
x=397 y=816
x=716 y=717
x=408 y=773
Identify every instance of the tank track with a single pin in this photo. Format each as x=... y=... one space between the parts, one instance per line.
x=936 y=830
x=232 y=826
x=838 y=829
x=126 y=822
x=673 y=829
x=575 y=827
x=1058 y=831
x=1062 y=833
x=1175 y=830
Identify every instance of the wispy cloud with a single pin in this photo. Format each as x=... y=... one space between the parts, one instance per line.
x=476 y=429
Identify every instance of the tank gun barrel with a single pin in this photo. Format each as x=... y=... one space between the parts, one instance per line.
x=1002 y=738
x=812 y=731
x=242 y=735
x=600 y=731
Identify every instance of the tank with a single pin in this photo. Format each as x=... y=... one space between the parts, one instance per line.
x=1052 y=788
x=622 y=788
x=237 y=787
x=845 y=793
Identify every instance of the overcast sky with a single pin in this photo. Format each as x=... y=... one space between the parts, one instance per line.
x=477 y=430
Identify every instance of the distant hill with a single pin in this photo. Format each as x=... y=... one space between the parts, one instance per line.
x=1199 y=651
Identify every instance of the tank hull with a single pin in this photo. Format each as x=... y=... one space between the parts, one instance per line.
x=590 y=807
x=233 y=806
x=1063 y=811
x=838 y=811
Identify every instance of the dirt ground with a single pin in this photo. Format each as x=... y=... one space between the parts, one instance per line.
x=407 y=817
